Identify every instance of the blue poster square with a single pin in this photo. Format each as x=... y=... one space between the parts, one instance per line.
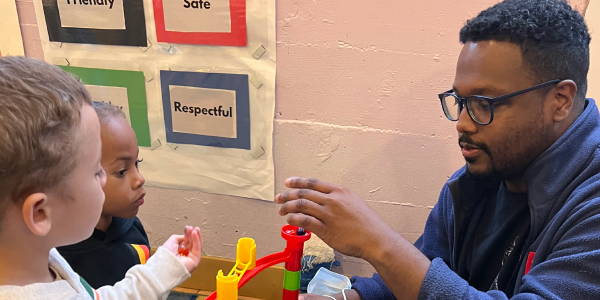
x=206 y=109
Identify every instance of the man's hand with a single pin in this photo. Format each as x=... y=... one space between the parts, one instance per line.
x=347 y=224
x=335 y=214
x=192 y=240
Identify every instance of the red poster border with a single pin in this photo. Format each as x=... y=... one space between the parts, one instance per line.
x=237 y=36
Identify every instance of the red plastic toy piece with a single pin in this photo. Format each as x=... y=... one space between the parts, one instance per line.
x=292 y=256
x=183 y=251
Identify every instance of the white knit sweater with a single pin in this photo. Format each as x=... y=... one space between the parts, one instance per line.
x=154 y=280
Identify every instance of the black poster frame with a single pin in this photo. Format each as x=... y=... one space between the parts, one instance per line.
x=134 y=33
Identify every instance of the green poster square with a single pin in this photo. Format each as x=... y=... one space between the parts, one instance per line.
x=135 y=84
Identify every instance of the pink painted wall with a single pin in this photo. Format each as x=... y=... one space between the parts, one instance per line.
x=356 y=105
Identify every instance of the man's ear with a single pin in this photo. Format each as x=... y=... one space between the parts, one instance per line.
x=36 y=213
x=564 y=95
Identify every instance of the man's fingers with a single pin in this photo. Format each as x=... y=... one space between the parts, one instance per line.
x=296 y=194
x=310 y=183
x=307 y=222
x=307 y=188
x=303 y=206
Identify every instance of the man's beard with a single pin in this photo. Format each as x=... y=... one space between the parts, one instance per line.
x=510 y=159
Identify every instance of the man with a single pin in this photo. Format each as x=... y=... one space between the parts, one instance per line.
x=522 y=219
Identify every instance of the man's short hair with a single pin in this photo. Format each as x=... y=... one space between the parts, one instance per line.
x=40 y=108
x=553 y=37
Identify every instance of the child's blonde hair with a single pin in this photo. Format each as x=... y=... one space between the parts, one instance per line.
x=39 y=115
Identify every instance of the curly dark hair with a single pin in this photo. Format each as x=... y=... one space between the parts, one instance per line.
x=554 y=39
x=106 y=111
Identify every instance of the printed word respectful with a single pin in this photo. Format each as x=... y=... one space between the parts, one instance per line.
x=217 y=112
x=93 y=2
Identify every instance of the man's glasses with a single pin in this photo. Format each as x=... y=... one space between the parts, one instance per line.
x=480 y=108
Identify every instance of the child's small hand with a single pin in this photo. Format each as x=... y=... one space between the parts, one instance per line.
x=192 y=241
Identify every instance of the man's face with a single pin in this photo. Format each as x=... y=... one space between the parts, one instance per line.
x=520 y=131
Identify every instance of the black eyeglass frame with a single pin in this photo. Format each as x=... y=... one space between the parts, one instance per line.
x=491 y=101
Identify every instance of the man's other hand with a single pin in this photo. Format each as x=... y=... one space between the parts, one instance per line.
x=335 y=214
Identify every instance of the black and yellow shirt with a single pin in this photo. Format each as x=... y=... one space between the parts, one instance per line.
x=105 y=257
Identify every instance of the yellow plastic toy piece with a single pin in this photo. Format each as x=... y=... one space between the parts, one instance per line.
x=245 y=257
x=227 y=286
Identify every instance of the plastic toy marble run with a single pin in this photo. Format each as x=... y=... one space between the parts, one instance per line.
x=246 y=265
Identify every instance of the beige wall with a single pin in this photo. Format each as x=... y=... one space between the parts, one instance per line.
x=356 y=105
x=592 y=18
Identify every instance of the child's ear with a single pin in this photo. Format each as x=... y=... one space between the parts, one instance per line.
x=36 y=213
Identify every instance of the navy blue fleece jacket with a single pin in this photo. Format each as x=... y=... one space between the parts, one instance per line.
x=562 y=253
